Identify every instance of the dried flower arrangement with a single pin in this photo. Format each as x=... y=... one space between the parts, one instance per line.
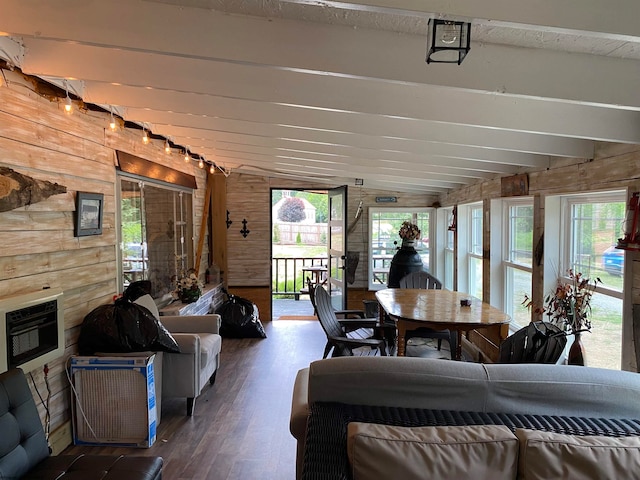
x=409 y=231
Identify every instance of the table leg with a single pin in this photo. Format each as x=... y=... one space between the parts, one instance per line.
x=459 y=345
x=402 y=330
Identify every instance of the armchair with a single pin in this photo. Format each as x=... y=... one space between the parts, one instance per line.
x=185 y=374
x=343 y=335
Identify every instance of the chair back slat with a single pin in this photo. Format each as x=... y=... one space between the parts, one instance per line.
x=420 y=279
x=538 y=342
x=326 y=313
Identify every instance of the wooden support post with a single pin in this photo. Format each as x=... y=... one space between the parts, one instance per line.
x=203 y=223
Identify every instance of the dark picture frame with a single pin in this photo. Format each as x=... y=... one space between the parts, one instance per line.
x=89 y=211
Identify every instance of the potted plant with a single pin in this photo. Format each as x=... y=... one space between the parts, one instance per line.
x=188 y=288
x=569 y=307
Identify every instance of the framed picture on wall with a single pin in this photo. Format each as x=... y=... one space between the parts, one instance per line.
x=89 y=208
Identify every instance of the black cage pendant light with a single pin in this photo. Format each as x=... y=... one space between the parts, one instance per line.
x=448 y=41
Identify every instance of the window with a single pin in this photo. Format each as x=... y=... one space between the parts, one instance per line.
x=592 y=225
x=517 y=259
x=384 y=224
x=447 y=281
x=475 y=250
x=156 y=234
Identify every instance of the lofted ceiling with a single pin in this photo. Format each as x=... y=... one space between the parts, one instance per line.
x=331 y=91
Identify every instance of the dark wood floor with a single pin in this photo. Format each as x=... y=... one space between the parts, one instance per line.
x=240 y=426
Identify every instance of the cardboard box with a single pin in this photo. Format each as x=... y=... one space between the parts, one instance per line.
x=114 y=401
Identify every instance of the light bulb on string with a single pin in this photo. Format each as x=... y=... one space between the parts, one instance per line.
x=167 y=147
x=212 y=169
x=201 y=162
x=112 y=122
x=68 y=106
x=145 y=137
x=187 y=159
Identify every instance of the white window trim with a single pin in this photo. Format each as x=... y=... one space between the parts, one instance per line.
x=432 y=232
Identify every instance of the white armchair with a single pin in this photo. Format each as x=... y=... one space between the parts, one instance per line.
x=185 y=374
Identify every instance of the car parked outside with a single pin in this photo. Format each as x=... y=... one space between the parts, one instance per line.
x=613 y=261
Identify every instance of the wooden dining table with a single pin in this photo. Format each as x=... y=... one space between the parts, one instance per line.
x=439 y=310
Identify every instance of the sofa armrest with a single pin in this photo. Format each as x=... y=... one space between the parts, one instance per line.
x=300 y=412
x=189 y=343
x=192 y=323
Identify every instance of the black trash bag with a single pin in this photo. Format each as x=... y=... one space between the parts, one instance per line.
x=137 y=289
x=240 y=318
x=123 y=327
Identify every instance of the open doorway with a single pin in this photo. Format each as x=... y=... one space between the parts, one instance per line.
x=298 y=250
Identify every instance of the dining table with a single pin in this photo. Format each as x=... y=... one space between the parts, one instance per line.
x=437 y=309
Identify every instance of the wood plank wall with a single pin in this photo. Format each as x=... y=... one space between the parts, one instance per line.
x=38 y=245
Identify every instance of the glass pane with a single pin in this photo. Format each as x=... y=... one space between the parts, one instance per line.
x=448 y=269
x=335 y=238
x=157 y=234
x=475 y=277
x=476 y=231
x=385 y=225
x=603 y=346
x=521 y=234
x=336 y=207
x=595 y=230
x=134 y=245
x=518 y=284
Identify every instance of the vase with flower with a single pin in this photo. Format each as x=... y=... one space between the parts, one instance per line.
x=406 y=259
x=569 y=307
x=188 y=288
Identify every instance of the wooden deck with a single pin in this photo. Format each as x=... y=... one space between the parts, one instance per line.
x=240 y=426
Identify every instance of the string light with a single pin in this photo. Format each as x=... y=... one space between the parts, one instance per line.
x=68 y=106
x=201 y=162
x=186 y=155
x=145 y=137
x=167 y=147
x=212 y=169
x=112 y=123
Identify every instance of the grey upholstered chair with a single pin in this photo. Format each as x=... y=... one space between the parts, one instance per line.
x=425 y=280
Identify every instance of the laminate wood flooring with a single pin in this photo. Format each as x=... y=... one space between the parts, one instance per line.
x=240 y=426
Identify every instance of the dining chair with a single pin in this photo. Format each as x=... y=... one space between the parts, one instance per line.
x=538 y=342
x=344 y=335
x=424 y=280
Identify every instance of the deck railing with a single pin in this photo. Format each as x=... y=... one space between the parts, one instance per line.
x=287 y=276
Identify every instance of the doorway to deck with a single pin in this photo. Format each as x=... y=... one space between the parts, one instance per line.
x=298 y=250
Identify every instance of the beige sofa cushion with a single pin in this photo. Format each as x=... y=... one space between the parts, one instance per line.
x=456 y=453
x=545 y=455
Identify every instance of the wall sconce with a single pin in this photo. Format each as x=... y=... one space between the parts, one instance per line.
x=448 y=41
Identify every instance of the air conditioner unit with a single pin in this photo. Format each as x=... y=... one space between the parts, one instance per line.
x=114 y=401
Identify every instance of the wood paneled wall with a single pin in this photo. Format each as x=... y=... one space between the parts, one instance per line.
x=38 y=245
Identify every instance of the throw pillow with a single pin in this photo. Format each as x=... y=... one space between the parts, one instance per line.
x=468 y=452
x=545 y=455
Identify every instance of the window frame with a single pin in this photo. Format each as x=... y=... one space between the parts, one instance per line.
x=508 y=290
x=410 y=211
x=186 y=225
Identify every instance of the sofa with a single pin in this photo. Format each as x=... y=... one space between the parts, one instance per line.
x=24 y=453
x=382 y=417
